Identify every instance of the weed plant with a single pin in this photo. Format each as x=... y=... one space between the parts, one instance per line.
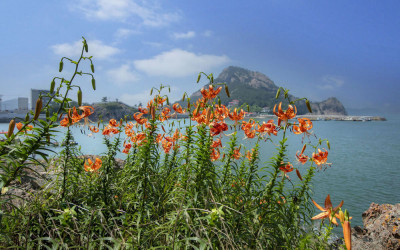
x=180 y=187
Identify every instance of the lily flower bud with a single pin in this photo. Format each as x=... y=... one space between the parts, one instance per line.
x=11 y=127
x=38 y=108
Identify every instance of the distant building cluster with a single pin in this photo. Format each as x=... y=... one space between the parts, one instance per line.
x=266 y=110
x=22 y=103
x=233 y=103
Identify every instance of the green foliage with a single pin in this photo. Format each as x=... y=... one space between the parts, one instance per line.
x=171 y=192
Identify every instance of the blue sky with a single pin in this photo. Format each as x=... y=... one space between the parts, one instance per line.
x=317 y=49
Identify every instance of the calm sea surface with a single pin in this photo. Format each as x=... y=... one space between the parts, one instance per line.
x=365 y=159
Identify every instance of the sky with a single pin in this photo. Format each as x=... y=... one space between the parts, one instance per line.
x=317 y=49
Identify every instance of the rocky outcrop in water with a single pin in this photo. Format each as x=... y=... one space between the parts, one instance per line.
x=381 y=228
x=111 y=110
x=331 y=106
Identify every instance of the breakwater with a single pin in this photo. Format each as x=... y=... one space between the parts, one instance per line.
x=331 y=117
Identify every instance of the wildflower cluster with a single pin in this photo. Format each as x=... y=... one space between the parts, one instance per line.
x=185 y=184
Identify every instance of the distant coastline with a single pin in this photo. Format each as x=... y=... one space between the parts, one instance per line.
x=360 y=118
x=6 y=117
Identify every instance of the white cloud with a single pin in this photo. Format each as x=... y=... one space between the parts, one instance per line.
x=124 y=33
x=132 y=99
x=96 y=48
x=123 y=10
x=331 y=82
x=153 y=44
x=122 y=75
x=187 y=35
x=144 y=96
x=207 y=33
x=179 y=63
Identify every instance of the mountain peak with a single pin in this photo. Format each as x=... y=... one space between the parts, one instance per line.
x=253 y=78
x=258 y=91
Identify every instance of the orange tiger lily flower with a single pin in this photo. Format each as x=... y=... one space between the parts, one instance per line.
x=211 y=93
x=127 y=147
x=143 y=110
x=138 y=139
x=137 y=116
x=94 y=129
x=249 y=154
x=91 y=167
x=19 y=125
x=167 y=145
x=236 y=154
x=284 y=116
x=327 y=211
x=108 y=130
x=250 y=133
x=159 y=138
x=301 y=158
x=65 y=122
x=177 y=107
x=113 y=123
x=159 y=100
x=235 y=116
x=75 y=115
x=304 y=125
x=216 y=143
x=217 y=128
x=176 y=135
x=286 y=168
x=247 y=127
x=150 y=104
x=204 y=117
x=165 y=114
x=129 y=126
x=215 y=154
x=268 y=127
x=70 y=118
x=87 y=110
x=320 y=158
x=221 y=112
